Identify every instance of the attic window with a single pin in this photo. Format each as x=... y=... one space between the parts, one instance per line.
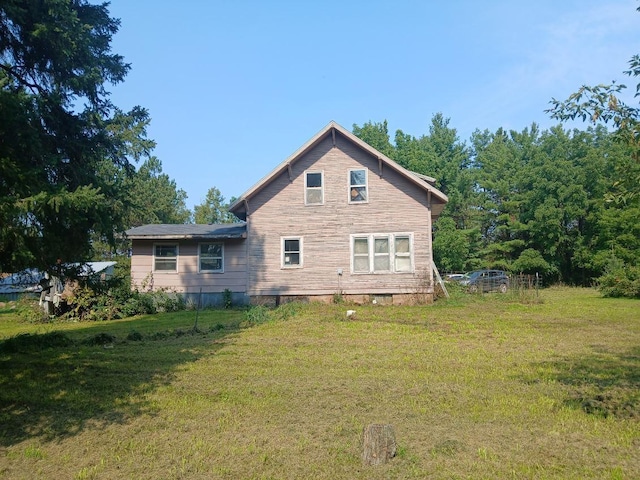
x=313 y=188
x=358 y=186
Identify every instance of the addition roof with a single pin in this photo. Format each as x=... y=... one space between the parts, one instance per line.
x=188 y=231
x=426 y=183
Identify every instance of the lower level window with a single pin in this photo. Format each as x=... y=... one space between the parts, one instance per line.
x=211 y=257
x=165 y=258
x=382 y=253
x=291 y=252
x=402 y=252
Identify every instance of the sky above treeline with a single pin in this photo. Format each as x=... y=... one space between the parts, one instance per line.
x=234 y=87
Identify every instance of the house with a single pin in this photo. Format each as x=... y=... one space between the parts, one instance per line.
x=335 y=219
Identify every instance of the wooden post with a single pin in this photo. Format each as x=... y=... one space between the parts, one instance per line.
x=379 y=444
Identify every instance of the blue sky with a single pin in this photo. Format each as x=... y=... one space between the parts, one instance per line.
x=234 y=87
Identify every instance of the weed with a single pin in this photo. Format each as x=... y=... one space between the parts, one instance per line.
x=288 y=310
x=134 y=336
x=258 y=314
x=227 y=298
x=101 y=339
x=33 y=342
x=448 y=447
x=33 y=452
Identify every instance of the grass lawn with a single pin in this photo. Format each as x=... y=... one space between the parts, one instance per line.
x=475 y=387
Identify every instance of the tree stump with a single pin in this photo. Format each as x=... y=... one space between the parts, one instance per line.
x=379 y=444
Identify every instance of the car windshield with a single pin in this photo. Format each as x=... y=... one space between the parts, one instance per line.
x=472 y=275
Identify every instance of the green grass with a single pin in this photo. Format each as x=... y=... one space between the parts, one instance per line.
x=487 y=386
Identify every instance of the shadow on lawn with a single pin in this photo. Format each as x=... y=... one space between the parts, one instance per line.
x=52 y=386
x=602 y=383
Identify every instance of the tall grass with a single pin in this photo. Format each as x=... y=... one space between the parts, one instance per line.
x=484 y=386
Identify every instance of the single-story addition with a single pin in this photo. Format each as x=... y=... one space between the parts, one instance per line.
x=337 y=219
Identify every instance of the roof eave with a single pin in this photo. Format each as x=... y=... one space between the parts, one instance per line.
x=187 y=237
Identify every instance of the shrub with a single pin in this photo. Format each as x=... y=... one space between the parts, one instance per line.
x=90 y=303
x=29 y=311
x=620 y=280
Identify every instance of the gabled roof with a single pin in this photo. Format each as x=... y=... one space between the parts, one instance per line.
x=188 y=231
x=424 y=182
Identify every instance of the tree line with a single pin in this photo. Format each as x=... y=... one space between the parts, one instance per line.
x=534 y=201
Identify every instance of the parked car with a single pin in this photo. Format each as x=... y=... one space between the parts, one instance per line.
x=486 y=281
x=454 y=277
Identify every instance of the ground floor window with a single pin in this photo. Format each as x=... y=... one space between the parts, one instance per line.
x=165 y=257
x=291 y=252
x=211 y=257
x=382 y=253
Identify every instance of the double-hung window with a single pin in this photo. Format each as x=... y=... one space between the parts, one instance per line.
x=313 y=188
x=358 y=191
x=361 y=255
x=291 y=252
x=211 y=257
x=165 y=257
x=402 y=252
x=382 y=253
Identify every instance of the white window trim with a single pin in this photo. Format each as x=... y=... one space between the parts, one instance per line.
x=389 y=239
x=221 y=254
x=321 y=172
x=392 y=252
x=366 y=185
x=160 y=244
x=402 y=255
x=361 y=255
x=282 y=252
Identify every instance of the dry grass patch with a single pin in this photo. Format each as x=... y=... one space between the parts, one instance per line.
x=476 y=387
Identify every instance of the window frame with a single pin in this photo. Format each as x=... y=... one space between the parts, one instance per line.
x=387 y=254
x=408 y=254
x=156 y=257
x=321 y=188
x=358 y=185
x=392 y=254
x=283 y=252
x=360 y=255
x=221 y=269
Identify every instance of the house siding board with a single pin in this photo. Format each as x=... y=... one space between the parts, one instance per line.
x=278 y=210
x=187 y=279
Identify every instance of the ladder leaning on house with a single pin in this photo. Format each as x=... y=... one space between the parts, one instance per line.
x=439 y=279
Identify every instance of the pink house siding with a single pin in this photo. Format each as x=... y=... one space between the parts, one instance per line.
x=187 y=279
x=278 y=210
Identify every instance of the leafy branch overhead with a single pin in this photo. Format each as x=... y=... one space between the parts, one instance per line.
x=603 y=104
